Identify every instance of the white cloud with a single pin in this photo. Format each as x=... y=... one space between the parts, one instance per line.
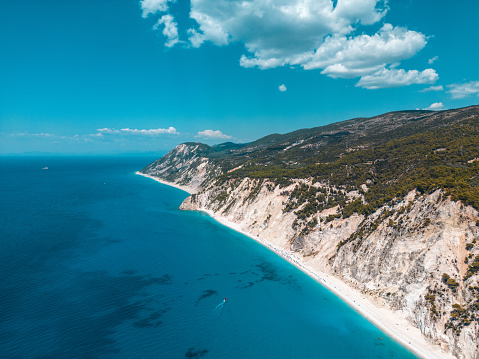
x=282 y=88
x=195 y=38
x=340 y=71
x=431 y=60
x=366 y=11
x=311 y=34
x=344 y=57
x=436 y=106
x=170 y=29
x=433 y=88
x=153 y=6
x=108 y=131
x=150 y=132
x=280 y=29
x=52 y=137
x=98 y=134
x=28 y=134
x=388 y=78
x=463 y=90
x=210 y=134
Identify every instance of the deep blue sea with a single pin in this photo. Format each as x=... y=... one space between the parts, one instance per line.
x=97 y=262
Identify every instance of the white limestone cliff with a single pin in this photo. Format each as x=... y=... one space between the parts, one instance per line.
x=399 y=265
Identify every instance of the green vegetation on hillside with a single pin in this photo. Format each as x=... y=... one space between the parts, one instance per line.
x=443 y=158
x=380 y=158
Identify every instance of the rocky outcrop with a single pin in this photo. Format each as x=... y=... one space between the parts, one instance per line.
x=186 y=165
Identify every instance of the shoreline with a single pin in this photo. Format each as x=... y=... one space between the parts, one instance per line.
x=187 y=189
x=388 y=321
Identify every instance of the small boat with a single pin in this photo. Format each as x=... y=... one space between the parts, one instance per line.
x=44 y=168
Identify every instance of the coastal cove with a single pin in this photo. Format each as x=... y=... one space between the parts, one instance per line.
x=390 y=322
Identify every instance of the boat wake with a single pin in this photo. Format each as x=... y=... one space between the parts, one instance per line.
x=219 y=308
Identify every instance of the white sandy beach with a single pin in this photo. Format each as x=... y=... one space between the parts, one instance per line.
x=188 y=189
x=388 y=321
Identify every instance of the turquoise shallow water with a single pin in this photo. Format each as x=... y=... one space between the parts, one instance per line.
x=97 y=262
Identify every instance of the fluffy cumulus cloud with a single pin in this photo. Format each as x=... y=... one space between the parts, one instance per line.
x=433 y=88
x=211 y=134
x=282 y=88
x=436 y=106
x=273 y=32
x=396 y=78
x=342 y=56
x=150 y=132
x=432 y=59
x=319 y=34
x=458 y=91
x=153 y=6
x=170 y=29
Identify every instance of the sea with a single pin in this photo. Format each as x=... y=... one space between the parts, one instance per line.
x=98 y=262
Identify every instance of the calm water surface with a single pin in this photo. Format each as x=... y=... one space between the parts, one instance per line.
x=97 y=262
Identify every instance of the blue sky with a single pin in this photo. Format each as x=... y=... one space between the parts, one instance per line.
x=138 y=76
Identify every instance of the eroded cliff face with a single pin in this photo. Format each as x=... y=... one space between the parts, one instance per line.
x=416 y=257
